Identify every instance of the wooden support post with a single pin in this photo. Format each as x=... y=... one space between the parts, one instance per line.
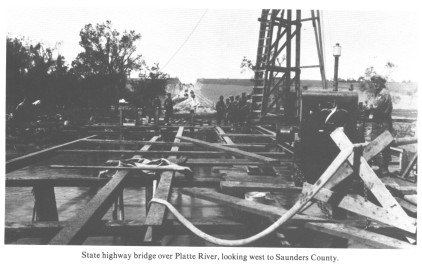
x=157 y=211
x=359 y=205
x=409 y=166
x=45 y=206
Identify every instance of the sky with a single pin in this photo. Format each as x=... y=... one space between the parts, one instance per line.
x=215 y=48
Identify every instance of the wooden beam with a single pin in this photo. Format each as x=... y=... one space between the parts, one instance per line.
x=32 y=158
x=167 y=153
x=336 y=229
x=369 y=177
x=357 y=204
x=78 y=227
x=17 y=230
x=181 y=144
x=232 y=151
x=156 y=213
x=271 y=212
x=266 y=131
x=373 y=148
x=138 y=167
x=241 y=135
x=359 y=235
x=81 y=181
x=260 y=187
x=220 y=132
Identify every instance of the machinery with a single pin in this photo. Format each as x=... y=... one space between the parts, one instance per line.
x=303 y=118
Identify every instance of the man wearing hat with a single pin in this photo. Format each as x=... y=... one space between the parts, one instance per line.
x=381 y=110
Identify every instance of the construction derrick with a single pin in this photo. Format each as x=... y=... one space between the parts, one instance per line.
x=277 y=87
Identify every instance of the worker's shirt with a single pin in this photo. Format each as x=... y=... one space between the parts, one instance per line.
x=382 y=106
x=220 y=107
x=168 y=104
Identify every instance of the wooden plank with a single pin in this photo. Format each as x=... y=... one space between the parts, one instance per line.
x=228 y=162
x=32 y=158
x=372 y=149
x=78 y=227
x=271 y=212
x=138 y=167
x=220 y=133
x=369 y=177
x=260 y=187
x=16 y=230
x=241 y=135
x=157 y=211
x=81 y=181
x=233 y=151
x=181 y=144
x=310 y=222
x=357 y=204
x=359 y=235
x=407 y=206
x=168 y=153
x=266 y=131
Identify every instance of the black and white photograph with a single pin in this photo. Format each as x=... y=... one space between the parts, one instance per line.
x=238 y=135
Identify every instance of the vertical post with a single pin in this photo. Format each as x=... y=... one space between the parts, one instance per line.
x=335 y=88
x=288 y=108
x=45 y=207
x=297 y=64
x=321 y=52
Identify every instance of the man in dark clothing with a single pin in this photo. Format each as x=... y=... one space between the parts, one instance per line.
x=227 y=116
x=381 y=110
x=230 y=110
x=156 y=107
x=221 y=110
x=168 y=105
x=236 y=110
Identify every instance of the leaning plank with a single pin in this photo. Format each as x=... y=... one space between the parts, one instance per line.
x=359 y=205
x=157 y=211
x=266 y=131
x=272 y=212
x=233 y=151
x=29 y=159
x=310 y=222
x=78 y=227
x=359 y=235
x=369 y=152
x=369 y=177
x=247 y=135
x=138 y=167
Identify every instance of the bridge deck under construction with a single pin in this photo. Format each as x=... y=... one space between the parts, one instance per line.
x=71 y=204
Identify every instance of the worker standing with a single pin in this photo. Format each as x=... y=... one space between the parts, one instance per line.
x=226 y=115
x=221 y=110
x=381 y=110
x=230 y=110
x=236 y=111
x=156 y=107
x=247 y=111
x=168 y=105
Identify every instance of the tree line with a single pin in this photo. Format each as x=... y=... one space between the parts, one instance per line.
x=97 y=77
